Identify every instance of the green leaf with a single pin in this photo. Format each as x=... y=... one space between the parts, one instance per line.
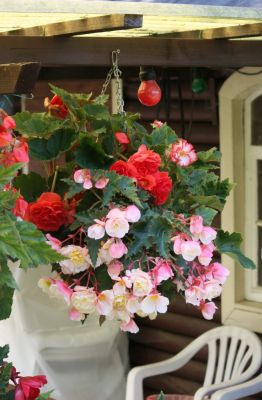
x=230 y=244
x=91 y=155
x=119 y=184
x=161 y=230
x=7 y=199
x=6 y=301
x=101 y=274
x=7 y=174
x=49 y=149
x=142 y=234
x=161 y=396
x=93 y=248
x=36 y=124
x=31 y=186
x=45 y=396
x=211 y=155
x=6 y=276
x=74 y=188
x=206 y=213
x=209 y=201
x=4 y=351
x=21 y=240
x=96 y=111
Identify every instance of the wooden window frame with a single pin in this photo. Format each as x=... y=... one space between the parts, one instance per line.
x=236 y=309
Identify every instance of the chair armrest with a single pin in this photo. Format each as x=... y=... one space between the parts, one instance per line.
x=223 y=387
x=239 y=391
x=134 y=388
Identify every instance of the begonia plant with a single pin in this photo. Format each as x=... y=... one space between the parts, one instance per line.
x=128 y=211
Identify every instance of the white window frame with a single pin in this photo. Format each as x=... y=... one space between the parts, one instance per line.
x=236 y=308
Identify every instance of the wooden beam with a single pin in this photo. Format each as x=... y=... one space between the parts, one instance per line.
x=18 y=78
x=89 y=24
x=227 y=32
x=87 y=51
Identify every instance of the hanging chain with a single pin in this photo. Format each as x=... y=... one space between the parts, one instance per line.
x=116 y=73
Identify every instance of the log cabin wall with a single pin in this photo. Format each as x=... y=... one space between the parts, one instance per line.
x=170 y=332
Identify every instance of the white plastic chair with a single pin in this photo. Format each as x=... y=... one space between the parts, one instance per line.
x=234 y=356
x=248 y=388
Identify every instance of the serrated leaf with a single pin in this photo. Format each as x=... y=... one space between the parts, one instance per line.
x=101 y=274
x=7 y=199
x=7 y=174
x=21 y=240
x=49 y=149
x=6 y=301
x=142 y=234
x=31 y=186
x=230 y=244
x=206 y=213
x=119 y=184
x=209 y=201
x=6 y=276
x=161 y=231
x=91 y=155
x=74 y=188
x=96 y=111
x=211 y=155
x=36 y=124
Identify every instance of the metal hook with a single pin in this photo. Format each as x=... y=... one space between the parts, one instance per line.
x=25 y=96
x=115 y=56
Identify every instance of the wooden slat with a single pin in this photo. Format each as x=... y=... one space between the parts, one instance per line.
x=86 y=51
x=236 y=31
x=79 y=26
x=18 y=78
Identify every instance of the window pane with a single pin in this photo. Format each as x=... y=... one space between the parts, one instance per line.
x=256 y=121
x=259 y=257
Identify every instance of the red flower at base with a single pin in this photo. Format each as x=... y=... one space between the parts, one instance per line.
x=28 y=387
x=56 y=107
x=146 y=161
x=163 y=187
x=124 y=168
x=48 y=213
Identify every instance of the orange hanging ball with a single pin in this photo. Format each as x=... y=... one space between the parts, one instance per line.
x=149 y=93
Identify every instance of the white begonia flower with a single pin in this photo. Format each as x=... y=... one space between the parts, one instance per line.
x=78 y=259
x=117 y=227
x=84 y=301
x=154 y=303
x=96 y=231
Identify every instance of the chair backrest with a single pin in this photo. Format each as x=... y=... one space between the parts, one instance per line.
x=234 y=356
x=233 y=352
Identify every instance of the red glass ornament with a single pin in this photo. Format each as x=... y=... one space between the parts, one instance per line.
x=149 y=93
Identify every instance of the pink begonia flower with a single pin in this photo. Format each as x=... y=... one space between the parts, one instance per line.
x=211 y=289
x=157 y=124
x=96 y=231
x=84 y=300
x=196 y=225
x=53 y=242
x=161 y=272
x=194 y=294
x=20 y=151
x=219 y=272
x=183 y=153
x=115 y=213
x=117 y=249
x=64 y=290
x=177 y=244
x=9 y=123
x=78 y=259
x=207 y=235
x=132 y=213
x=104 y=254
x=44 y=283
x=208 y=309
x=117 y=227
x=133 y=304
x=190 y=250
x=120 y=287
x=114 y=269
x=129 y=326
x=154 y=303
x=20 y=207
x=5 y=138
x=119 y=310
x=101 y=183
x=206 y=256
x=142 y=283
x=75 y=315
x=83 y=176
x=104 y=302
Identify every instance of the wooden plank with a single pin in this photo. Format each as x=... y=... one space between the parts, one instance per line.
x=87 y=51
x=18 y=78
x=82 y=25
x=227 y=32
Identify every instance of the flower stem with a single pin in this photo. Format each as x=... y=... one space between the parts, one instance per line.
x=54 y=179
